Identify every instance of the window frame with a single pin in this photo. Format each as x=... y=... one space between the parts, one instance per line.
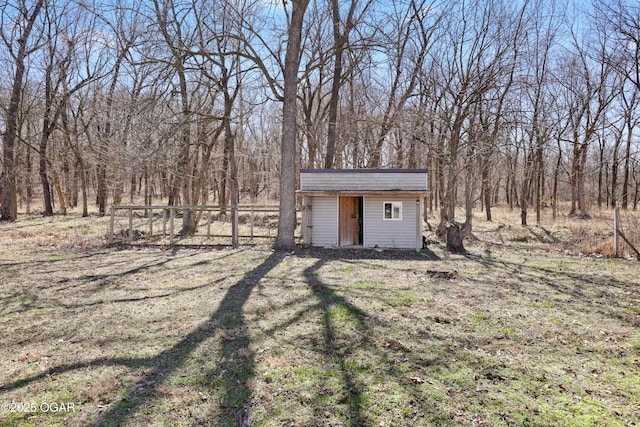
x=397 y=204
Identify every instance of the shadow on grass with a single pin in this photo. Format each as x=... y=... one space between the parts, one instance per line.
x=598 y=292
x=354 y=254
x=87 y=284
x=348 y=332
x=229 y=314
x=144 y=297
x=329 y=300
x=234 y=404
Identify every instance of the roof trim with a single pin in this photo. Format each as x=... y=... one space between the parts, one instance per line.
x=362 y=192
x=364 y=170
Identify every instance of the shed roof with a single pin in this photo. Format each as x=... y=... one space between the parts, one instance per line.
x=364 y=180
x=364 y=170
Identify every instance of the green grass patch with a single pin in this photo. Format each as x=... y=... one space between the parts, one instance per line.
x=368 y=285
x=402 y=298
x=478 y=319
x=543 y=304
x=555 y=320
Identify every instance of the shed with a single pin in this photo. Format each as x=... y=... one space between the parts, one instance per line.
x=363 y=207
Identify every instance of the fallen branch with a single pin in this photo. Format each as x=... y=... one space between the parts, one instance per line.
x=629 y=243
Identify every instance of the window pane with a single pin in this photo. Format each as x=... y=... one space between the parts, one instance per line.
x=396 y=211
x=387 y=211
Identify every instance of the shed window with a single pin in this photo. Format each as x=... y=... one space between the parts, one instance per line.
x=393 y=211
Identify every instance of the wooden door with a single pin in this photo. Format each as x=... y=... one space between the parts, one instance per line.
x=349 y=221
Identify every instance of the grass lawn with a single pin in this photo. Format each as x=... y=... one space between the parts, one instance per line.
x=519 y=331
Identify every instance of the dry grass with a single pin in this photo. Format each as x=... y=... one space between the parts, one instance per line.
x=525 y=329
x=568 y=234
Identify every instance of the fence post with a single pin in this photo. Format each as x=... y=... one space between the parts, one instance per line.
x=111 y=225
x=251 y=221
x=171 y=215
x=130 y=225
x=234 y=225
x=164 y=222
x=616 y=233
x=150 y=221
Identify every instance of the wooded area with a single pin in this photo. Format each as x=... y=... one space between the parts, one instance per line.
x=526 y=103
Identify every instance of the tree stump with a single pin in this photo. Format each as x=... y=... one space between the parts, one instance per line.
x=454 y=239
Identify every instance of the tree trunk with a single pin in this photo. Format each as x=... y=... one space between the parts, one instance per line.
x=539 y=180
x=103 y=144
x=332 y=118
x=80 y=167
x=556 y=175
x=582 y=206
x=285 y=239
x=147 y=194
x=601 y=162
x=223 y=188
x=184 y=164
x=29 y=189
x=42 y=155
x=452 y=171
x=625 y=180
x=83 y=184
x=486 y=191
x=58 y=187
x=340 y=40
x=229 y=141
x=469 y=190
x=573 y=179
x=73 y=191
x=525 y=190
x=46 y=188
x=636 y=195
x=615 y=164
x=8 y=207
x=454 y=239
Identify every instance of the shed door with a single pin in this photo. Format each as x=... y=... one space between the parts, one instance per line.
x=350 y=220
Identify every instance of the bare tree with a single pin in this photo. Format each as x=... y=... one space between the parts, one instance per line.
x=21 y=35
x=480 y=60
x=313 y=94
x=71 y=127
x=590 y=88
x=621 y=20
x=172 y=27
x=287 y=212
x=537 y=97
x=341 y=30
x=221 y=45
x=631 y=119
x=628 y=119
x=119 y=22
x=414 y=31
x=67 y=66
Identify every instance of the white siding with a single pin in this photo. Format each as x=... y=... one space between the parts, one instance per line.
x=386 y=233
x=363 y=181
x=324 y=221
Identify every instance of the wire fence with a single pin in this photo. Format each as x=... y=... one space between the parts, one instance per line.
x=162 y=225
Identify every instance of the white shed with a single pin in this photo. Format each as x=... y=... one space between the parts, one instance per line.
x=363 y=207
